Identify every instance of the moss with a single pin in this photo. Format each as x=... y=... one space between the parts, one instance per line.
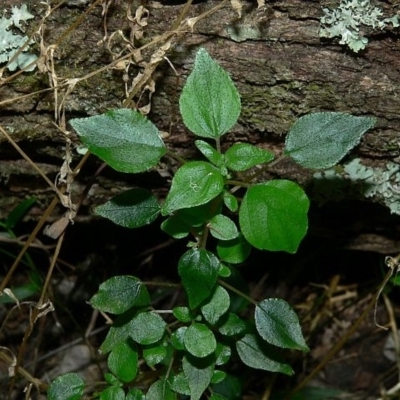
x=272 y=108
x=275 y=108
x=29 y=82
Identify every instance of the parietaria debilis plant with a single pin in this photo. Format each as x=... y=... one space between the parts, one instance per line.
x=193 y=347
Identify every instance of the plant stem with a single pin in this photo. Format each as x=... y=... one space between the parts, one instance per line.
x=265 y=168
x=238 y=292
x=218 y=145
x=203 y=238
x=166 y=284
x=247 y=181
x=239 y=184
x=176 y=157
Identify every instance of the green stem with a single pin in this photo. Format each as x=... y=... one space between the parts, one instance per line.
x=218 y=145
x=203 y=238
x=238 y=292
x=265 y=168
x=247 y=181
x=238 y=183
x=167 y=284
x=176 y=157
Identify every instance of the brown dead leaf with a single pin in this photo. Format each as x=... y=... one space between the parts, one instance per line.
x=237 y=5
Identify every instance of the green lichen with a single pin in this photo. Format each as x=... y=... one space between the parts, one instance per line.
x=243 y=32
x=10 y=43
x=346 y=20
x=355 y=178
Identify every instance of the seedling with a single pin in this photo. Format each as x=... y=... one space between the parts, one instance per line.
x=191 y=349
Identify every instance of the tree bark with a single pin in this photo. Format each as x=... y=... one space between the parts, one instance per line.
x=281 y=67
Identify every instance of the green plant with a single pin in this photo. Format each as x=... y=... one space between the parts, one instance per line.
x=192 y=346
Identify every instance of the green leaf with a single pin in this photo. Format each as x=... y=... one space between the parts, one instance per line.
x=234 y=251
x=216 y=396
x=198 y=374
x=180 y=385
x=154 y=354
x=147 y=328
x=123 y=138
x=160 y=390
x=178 y=337
x=231 y=325
x=197 y=216
x=223 y=228
x=117 y=334
x=119 y=293
x=123 y=361
x=18 y=212
x=322 y=139
x=66 y=387
x=223 y=354
x=135 y=394
x=112 y=380
x=195 y=183
x=175 y=227
x=21 y=292
x=242 y=156
x=198 y=269
x=218 y=376
x=131 y=209
x=273 y=215
x=181 y=223
x=278 y=324
x=229 y=388
x=230 y=201
x=182 y=314
x=259 y=355
x=199 y=340
x=209 y=103
x=112 y=393
x=217 y=306
x=210 y=153
x=224 y=271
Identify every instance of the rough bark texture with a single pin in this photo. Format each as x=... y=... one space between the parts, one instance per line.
x=280 y=65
